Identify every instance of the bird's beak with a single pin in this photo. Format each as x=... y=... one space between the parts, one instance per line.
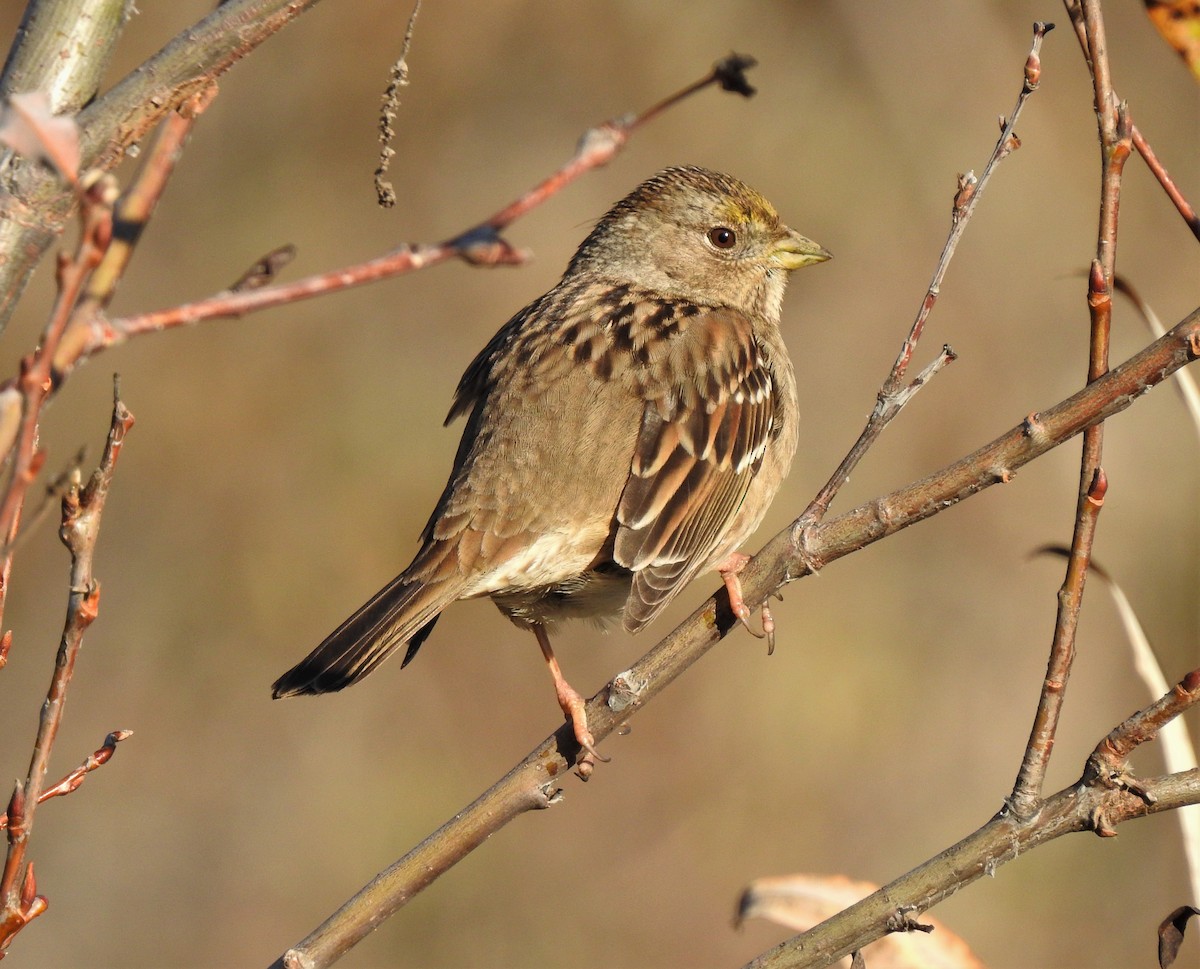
x=794 y=251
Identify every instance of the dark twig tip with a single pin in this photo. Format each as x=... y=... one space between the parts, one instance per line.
x=730 y=73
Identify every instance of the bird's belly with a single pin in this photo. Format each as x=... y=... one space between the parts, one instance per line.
x=599 y=595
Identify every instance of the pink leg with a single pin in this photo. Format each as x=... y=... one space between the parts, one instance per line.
x=572 y=705
x=730 y=569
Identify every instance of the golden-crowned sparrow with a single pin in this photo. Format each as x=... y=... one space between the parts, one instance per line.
x=625 y=431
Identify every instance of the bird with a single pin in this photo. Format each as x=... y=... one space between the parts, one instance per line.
x=625 y=432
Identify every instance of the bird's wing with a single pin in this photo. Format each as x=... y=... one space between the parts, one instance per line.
x=709 y=415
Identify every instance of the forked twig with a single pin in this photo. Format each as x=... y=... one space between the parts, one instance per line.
x=895 y=394
x=1157 y=169
x=82 y=510
x=1102 y=798
x=481 y=245
x=1115 y=147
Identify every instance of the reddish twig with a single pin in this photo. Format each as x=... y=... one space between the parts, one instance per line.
x=1115 y=146
x=1113 y=752
x=1164 y=179
x=71 y=782
x=895 y=394
x=131 y=213
x=37 y=371
x=481 y=245
x=54 y=490
x=82 y=509
x=137 y=203
x=1108 y=764
x=1184 y=207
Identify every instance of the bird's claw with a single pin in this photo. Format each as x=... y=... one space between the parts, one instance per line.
x=575 y=709
x=737 y=602
x=587 y=760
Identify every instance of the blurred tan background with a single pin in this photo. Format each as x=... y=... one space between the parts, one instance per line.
x=283 y=465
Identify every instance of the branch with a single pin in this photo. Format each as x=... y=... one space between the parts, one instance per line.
x=894 y=395
x=801 y=549
x=1104 y=796
x=93 y=761
x=62 y=48
x=82 y=509
x=1185 y=208
x=188 y=65
x=481 y=245
x=32 y=389
x=1115 y=146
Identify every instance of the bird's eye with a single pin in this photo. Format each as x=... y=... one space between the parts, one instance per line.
x=722 y=237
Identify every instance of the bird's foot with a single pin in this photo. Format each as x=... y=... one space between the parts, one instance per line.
x=730 y=569
x=574 y=708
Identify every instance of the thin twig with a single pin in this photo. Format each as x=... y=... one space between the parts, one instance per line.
x=1115 y=147
x=1184 y=207
x=37 y=372
x=70 y=783
x=533 y=782
x=55 y=488
x=480 y=245
x=131 y=214
x=1093 y=803
x=82 y=510
x=137 y=203
x=126 y=113
x=384 y=192
x=894 y=394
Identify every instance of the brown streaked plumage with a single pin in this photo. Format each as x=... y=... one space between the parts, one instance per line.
x=625 y=432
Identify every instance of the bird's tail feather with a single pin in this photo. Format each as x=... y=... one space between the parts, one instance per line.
x=401 y=612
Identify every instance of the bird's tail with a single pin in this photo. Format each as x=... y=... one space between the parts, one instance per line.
x=403 y=611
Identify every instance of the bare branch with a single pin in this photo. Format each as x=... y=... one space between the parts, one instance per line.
x=62 y=48
x=93 y=761
x=37 y=374
x=1103 y=797
x=1185 y=208
x=480 y=245
x=798 y=550
x=82 y=510
x=1115 y=147
x=894 y=395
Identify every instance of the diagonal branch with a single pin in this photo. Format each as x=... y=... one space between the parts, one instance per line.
x=894 y=394
x=799 y=550
x=94 y=761
x=1157 y=169
x=62 y=48
x=1102 y=798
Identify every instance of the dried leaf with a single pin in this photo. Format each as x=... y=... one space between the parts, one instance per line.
x=1170 y=934
x=28 y=127
x=1179 y=23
